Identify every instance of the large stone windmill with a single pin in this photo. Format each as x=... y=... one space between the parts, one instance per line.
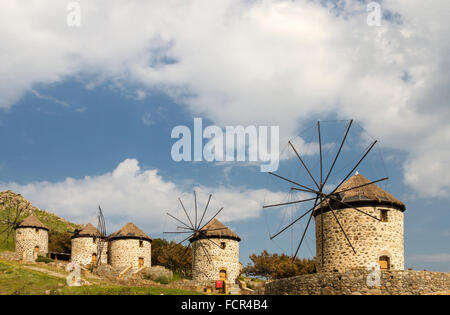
x=372 y=240
x=357 y=223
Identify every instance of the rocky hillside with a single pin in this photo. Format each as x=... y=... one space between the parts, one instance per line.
x=59 y=237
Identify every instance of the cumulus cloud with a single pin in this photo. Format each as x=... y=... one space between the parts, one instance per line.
x=256 y=62
x=130 y=193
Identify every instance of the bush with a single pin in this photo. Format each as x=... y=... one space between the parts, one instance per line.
x=162 y=280
x=274 y=266
x=43 y=259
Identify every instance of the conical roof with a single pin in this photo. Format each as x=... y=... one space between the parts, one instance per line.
x=130 y=230
x=32 y=222
x=87 y=231
x=366 y=194
x=215 y=229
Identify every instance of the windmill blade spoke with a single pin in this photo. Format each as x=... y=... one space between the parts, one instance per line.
x=206 y=208
x=357 y=164
x=217 y=229
x=179 y=221
x=304 y=165
x=212 y=218
x=350 y=206
x=342 y=229
x=205 y=251
x=296 y=220
x=184 y=209
x=288 y=203
x=195 y=202
x=359 y=186
x=176 y=232
x=213 y=242
x=339 y=152
x=303 y=190
x=322 y=234
x=185 y=239
x=304 y=232
x=320 y=153
x=292 y=182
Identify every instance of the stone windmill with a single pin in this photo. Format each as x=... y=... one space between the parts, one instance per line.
x=90 y=244
x=31 y=238
x=357 y=222
x=215 y=248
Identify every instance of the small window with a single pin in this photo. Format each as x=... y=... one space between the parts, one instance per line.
x=223 y=245
x=141 y=243
x=384 y=215
x=37 y=230
x=94 y=239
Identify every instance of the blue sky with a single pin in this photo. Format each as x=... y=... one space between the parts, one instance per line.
x=86 y=113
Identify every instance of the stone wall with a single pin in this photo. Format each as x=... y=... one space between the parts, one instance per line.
x=26 y=241
x=370 y=238
x=400 y=282
x=83 y=249
x=126 y=252
x=226 y=258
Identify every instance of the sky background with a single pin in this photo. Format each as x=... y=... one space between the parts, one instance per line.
x=86 y=113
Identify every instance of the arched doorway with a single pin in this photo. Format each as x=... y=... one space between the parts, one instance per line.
x=141 y=262
x=384 y=262
x=94 y=259
x=223 y=274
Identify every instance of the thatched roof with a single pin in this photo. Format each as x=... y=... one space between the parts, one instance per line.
x=88 y=231
x=215 y=229
x=369 y=194
x=130 y=230
x=32 y=222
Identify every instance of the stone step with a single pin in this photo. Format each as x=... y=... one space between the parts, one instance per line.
x=235 y=289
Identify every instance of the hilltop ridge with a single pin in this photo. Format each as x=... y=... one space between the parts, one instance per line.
x=60 y=228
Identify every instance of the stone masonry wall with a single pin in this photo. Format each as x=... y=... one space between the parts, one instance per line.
x=126 y=252
x=26 y=241
x=84 y=247
x=227 y=259
x=400 y=282
x=370 y=238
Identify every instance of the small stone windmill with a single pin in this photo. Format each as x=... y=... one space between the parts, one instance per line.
x=215 y=248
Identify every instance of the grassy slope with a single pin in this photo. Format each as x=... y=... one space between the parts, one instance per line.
x=15 y=279
x=52 y=221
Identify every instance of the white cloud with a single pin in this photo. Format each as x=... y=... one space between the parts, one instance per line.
x=147 y=119
x=255 y=62
x=129 y=193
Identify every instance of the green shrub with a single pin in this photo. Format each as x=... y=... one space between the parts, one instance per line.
x=43 y=259
x=162 y=280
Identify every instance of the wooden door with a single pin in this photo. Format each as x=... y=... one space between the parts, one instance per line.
x=36 y=249
x=94 y=258
x=384 y=263
x=141 y=262
x=223 y=275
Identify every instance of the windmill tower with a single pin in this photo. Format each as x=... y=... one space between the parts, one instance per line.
x=216 y=253
x=31 y=238
x=379 y=241
x=85 y=246
x=130 y=246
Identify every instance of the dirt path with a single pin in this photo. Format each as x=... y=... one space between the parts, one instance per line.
x=46 y=271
